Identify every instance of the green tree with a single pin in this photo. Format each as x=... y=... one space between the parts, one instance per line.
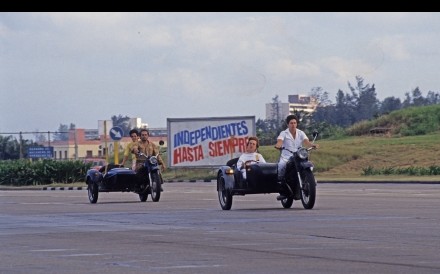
x=321 y=96
x=8 y=148
x=40 y=137
x=264 y=133
x=345 y=109
x=390 y=104
x=62 y=134
x=408 y=100
x=432 y=98
x=123 y=122
x=417 y=98
x=367 y=105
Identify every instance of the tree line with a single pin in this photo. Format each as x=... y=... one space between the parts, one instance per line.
x=331 y=119
x=360 y=103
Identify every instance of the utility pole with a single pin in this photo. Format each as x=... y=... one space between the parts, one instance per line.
x=21 y=146
x=76 y=144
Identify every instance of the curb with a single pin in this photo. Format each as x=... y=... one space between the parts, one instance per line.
x=215 y=181
x=378 y=182
x=64 y=188
x=190 y=181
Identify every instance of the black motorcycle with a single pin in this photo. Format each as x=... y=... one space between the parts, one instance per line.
x=262 y=178
x=150 y=177
x=115 y=178
x=299 y=181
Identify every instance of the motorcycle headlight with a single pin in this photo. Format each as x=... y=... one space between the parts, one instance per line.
x=302 y=153
x=153 y=160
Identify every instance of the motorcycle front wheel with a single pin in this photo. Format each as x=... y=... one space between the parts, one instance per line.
x=155 y=187
x=308 y=190
x=92 y=190
x=224 y=196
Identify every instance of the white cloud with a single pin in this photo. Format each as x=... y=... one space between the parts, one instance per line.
x=192 y=63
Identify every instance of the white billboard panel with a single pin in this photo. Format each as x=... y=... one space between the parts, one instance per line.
x=207 y=142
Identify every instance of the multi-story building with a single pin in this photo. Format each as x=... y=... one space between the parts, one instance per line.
x=277 y=111
x=295 y=103
x=76 y=147
x=302 y=103
x=93 y=143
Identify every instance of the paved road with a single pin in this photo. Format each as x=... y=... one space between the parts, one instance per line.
x=354 y=228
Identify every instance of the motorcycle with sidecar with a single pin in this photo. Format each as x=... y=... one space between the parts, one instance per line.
x=116 y=178
x=262 y=178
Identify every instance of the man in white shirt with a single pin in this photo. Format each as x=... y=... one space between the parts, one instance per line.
x=292 y=138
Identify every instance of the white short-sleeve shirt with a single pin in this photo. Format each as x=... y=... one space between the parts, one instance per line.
x=255 y=156
x=291 y=143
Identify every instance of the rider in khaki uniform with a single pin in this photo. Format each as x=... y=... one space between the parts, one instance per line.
x=134 y=134
x=148 y=148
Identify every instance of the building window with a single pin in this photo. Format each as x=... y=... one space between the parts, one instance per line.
x=89 y=154
x=65 y=154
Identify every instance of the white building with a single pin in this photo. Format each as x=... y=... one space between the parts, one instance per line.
x=137 y=123
x=295 y=103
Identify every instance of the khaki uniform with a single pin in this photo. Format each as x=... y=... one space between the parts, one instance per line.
x=128 y=150
x=148 y=149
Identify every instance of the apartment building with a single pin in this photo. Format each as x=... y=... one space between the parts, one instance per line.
x=295 y=103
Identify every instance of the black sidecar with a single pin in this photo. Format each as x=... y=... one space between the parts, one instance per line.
x=262 y=178
x=115 y=178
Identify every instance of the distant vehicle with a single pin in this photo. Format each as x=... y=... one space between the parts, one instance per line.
x=97 y=163
x=116 y=178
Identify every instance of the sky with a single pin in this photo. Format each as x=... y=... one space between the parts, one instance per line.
x=81 y=67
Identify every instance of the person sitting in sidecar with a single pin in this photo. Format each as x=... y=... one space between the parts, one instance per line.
x=251 y=156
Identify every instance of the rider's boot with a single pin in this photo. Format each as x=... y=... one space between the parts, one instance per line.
x=283 y=184
x=281 y=197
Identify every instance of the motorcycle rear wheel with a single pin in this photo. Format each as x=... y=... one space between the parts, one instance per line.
x=143 y=197
x=287 y=202
x=308 y=190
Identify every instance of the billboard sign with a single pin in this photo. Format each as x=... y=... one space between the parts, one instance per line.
x=40 y=152
x=207 y=142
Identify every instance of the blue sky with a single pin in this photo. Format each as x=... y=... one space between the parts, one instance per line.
x=62 y=68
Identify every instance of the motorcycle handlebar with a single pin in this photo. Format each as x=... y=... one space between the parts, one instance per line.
x=146 y=156
x=283 y=148
x=141 y=154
